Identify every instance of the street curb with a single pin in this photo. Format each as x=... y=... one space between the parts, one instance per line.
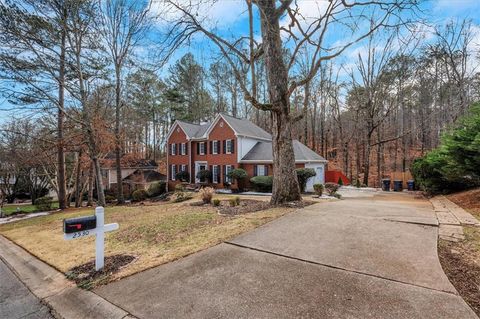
x=62 y=295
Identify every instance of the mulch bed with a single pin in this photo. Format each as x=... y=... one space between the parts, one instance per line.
x=85 y=276
x=249 y=206
x=458 y=262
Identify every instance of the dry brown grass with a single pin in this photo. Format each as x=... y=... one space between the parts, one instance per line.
x=154 y=234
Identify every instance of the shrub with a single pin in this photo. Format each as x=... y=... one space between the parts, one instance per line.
x=109 y=199
x=454 y=165
x=303 y=175
x=318 y=188
x=183 y=176
x=237 y=200
x=157 y=188
x=139 y=195
x=204 y=175
x=44 y=203
x=331 y=188
x=239 y=175
x=340 y=181
x=262 y=183
x=216 y=202
x=233 y=202
x=206 y=193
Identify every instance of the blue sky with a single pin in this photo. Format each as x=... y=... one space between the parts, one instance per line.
x=229 y=18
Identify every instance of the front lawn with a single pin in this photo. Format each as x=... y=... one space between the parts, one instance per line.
x=152 y=234
x=23 y=209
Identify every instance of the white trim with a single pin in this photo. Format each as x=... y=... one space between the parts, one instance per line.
x=255 y=137
x=271 y=161
x=196 y=170
x=173 y=172
x=183 y=148
x=263 y=169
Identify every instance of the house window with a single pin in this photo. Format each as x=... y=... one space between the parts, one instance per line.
x=173 y=148
x=228 y=169
x=261 y=170
x=202 y=148
x=215 y=174
x=229 y=146
x=183 y=149
x=215 y=146
x=173 y=170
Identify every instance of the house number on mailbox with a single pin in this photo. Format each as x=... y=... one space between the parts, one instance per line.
x=74 y=228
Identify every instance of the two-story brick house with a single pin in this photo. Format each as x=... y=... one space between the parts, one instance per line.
x=228 y=143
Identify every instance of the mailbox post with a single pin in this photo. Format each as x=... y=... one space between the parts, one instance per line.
x=87 y=226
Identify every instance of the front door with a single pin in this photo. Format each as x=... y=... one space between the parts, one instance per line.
x=200 y=166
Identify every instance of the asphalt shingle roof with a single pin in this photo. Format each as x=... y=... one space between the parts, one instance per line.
x=262 y=151
x=244 y=127
x=193 y=130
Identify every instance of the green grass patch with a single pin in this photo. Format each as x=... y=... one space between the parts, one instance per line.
x=23 y=209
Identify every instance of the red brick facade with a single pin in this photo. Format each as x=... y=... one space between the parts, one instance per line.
x=216 y=149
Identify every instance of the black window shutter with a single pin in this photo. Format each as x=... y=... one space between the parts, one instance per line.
x=255 y=171
x=233 y=146
x=224 y=147
x=218 y=147
x=211 y=147
x=266 y=170
x=224 y=173
x=198 y=148
x=186 y=148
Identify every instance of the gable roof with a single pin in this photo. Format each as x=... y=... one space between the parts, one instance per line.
x=263 y=152
x=244 y=127
x=193 y=130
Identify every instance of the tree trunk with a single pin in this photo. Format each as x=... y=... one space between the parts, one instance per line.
x=78 y=182
x=90 y=184
x=285 y=183
x=368 y=148
x=118 y=149
x=61 y=180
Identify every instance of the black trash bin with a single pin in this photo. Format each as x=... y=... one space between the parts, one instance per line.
x=386 y=185
x=411 y=185
x=397 y=186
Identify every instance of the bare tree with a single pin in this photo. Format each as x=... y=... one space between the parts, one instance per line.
x=123 y=25
x=302 y=33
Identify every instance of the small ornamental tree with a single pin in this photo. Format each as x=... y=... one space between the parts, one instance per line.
x=303 y=175
x=239 y=175
x=205 y=176
x=340 y=181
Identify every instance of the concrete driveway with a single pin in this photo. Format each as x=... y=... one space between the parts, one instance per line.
x=367 y=256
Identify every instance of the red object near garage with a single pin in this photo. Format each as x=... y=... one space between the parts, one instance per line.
x=334 y=176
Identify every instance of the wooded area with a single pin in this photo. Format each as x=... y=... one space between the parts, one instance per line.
x=84 y=79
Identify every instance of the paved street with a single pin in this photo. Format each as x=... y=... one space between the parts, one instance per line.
x=16 y=301
x=371 y=256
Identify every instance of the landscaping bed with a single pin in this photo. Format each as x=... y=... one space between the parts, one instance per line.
x=154 y=233
x=461 y=260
